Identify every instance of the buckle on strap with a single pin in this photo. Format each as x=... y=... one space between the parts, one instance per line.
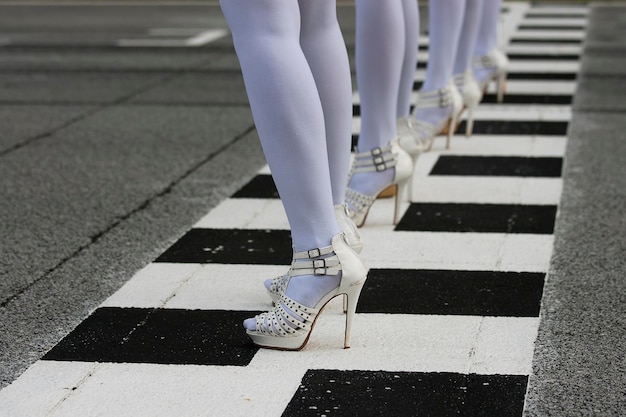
x=319 y=267
x=314 y=253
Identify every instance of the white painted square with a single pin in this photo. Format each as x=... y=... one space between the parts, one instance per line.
x=43 y=387
x=152 y=286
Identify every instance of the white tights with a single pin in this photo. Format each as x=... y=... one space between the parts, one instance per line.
x=387 y=34
x=296 y=71
x=487 y=38
x=445 y=18
x=297 y=77
x=469 y=35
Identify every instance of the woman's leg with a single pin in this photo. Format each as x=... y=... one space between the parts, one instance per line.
x=325 y=51
x=379 y=56
x=487 y=38
x=409 y=64
x=469 y=35
x=289 y=118
x=445 y=18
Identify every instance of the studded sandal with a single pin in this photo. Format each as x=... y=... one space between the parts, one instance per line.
x=378 y=160
x=353 y=239
x=289 y=324
x=417 y=136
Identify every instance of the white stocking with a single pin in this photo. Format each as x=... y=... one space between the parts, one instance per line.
x=325 y=50
x=445 y=18
x=380 y=40
x=487 y=38
x=469 y=35
x=289 y=117
x=287 y=112
x=409 y=64
x=488 y=29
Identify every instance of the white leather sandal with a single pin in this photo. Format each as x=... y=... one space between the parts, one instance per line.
x=417 y=136
x=497 y=63
x=289 y=324
x=378 y=160
x=352 y=237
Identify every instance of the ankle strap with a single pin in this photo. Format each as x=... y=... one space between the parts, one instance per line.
x=376 y=160
x=490 y=60
x=312 y=266
x=313 y=253
x=437 y=98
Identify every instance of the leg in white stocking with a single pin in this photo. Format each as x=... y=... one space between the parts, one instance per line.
x=488 y=30
x=380 y=49
x=445 y=18
x=288 y=113
x=469 y=35
x=487 y=39
x=409 y=64
x=463 y=74
x=325 y=50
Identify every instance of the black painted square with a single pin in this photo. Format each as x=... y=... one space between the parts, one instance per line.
x=380 y=393
x=563 y=76
x=547 y=41
x=517 y=127
x=510 y=166
x=544 y=57
x=261 y=186
x=231 y=246
x=528 y=98
x=560 y=28
x=163 y=336
x=478 y=218
x=443 y=292
x=544 y=15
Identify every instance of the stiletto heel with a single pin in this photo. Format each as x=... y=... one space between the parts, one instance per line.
x=471 y=94
x=351 y=298
x=451 y=129
x=289 y=324
x=470 y=122
x=496 y=65
x=352 y=236
x=501 y=87
x=378 y=160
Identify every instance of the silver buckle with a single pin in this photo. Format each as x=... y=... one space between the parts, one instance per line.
x=317 y=268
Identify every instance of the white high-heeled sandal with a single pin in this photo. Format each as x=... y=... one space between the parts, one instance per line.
x=353 y=239
x=471 y=94
x=497 y=62
x=417 y=136
x=289 y=324
x=378 y=160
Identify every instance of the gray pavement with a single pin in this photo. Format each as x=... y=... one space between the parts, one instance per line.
x=108 y=156
x=580 y=354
